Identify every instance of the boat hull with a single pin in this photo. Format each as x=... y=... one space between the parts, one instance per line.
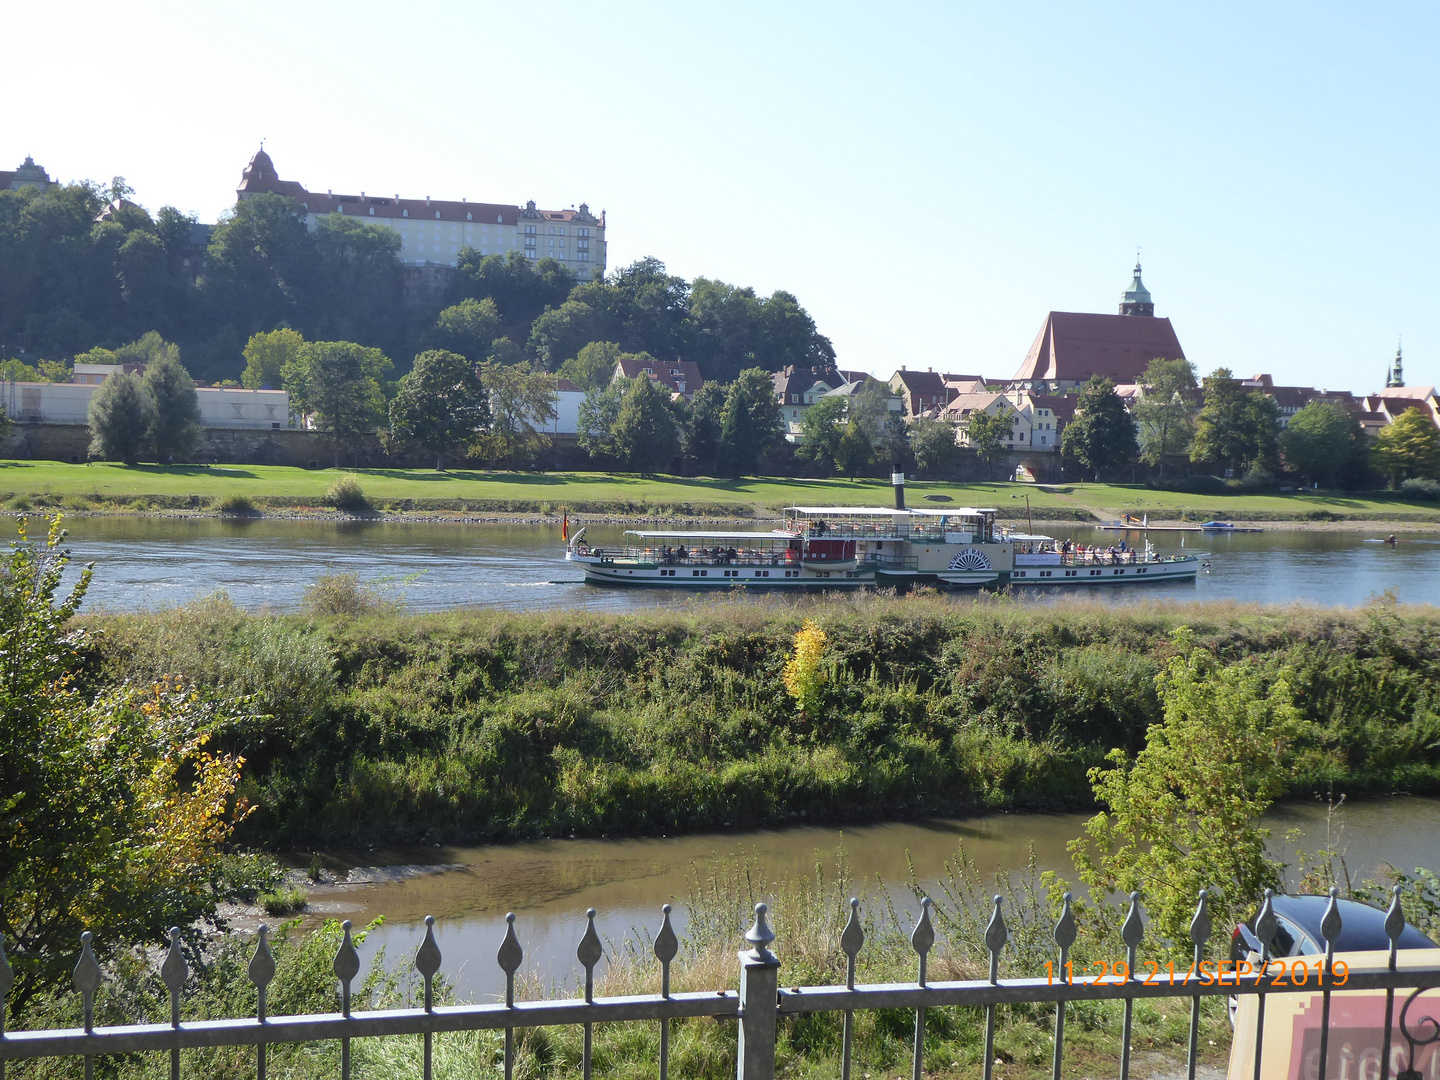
x=625 y=572
x=1183 y=569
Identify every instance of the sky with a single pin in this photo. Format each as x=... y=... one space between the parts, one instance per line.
x=929 y=179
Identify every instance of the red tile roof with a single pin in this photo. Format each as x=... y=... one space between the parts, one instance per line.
x=679 y=376
x=1072 y=346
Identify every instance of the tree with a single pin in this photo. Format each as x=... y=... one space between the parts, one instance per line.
x=468 y=328
x=266 y=355
x=1408 y=447
x=1164 y=412
x=174 y=408
x=750 y=422
x=115 y=813
x=596 y=424
x=1102 y=433
x=702 y=433
x=823 y=427
x=521 y=400
x=440 y=404
x=560 y=333
x=357 y=288
x=521 y=288
x=932 y=441
x=338 y=384
x=1236 y=426
x=986 y=433
x=645 y=433
x=120 y=418
x=855 y=453
x=593 y=366
x=261 y=265
x=1183 y=816
x=1318 y=441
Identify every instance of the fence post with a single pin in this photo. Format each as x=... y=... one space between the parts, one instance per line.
x=759 y=1003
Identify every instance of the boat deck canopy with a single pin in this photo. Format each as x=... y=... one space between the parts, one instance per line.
x=953 y=511
x=888 y=511
x=1027 y=537
x=666 y=534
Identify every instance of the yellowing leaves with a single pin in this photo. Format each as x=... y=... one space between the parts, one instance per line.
x=805 y=675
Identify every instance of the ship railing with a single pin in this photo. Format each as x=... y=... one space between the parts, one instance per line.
x=742 y=557
x=761 y=1005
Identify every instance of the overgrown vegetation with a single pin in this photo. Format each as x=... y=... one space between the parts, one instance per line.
x=493 y=725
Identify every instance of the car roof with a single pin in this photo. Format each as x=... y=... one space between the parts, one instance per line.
x=1361 y=926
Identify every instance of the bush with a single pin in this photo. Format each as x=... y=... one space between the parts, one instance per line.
x=1258 y=479
x=346 y=494
x=245 y=876
x=234 y=503
x=342 y=594
x=21 y=503
x=1418 y=487
x=286 y=900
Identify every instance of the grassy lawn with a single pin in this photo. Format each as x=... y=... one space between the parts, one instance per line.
x=275 y=486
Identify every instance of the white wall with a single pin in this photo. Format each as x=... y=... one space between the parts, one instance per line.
x=567 y=412
x=220 y=407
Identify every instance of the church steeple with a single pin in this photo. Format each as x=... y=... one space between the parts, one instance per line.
x=1396 y=375
x=1136 y=299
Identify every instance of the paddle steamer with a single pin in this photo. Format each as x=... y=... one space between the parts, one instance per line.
x=847 y=547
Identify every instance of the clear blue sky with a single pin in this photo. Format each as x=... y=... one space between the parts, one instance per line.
x=929 y=179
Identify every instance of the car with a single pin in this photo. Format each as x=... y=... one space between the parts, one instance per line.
x=1297 y=931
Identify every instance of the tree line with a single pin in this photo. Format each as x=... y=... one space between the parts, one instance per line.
x=1220 y=424
x=81 y=266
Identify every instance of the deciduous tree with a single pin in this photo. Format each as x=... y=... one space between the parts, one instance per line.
x=645 y=431
x=1408 y=447
x=987 y=432
x=337 y=383
x=266 y=355
x=593 y=366
x=932 y=441
x=1236 y=427
x=174 y=408
x=468 y=328
x=856 y=452
x=1319 y=441
x=823 y=427
x=702 y=433
x=1164 y=413
x=440 y=404
x=1102 y=434
x=120 y=418
x=749 y=424
x=115 y=810
x=522 y=401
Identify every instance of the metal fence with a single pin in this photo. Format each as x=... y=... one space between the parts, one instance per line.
x=761 y=1002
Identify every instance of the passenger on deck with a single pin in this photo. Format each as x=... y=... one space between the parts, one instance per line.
x=730 y=555
x=681 y=554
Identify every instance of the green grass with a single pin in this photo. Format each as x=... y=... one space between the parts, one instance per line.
x=150 y=487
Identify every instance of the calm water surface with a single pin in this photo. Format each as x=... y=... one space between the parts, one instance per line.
x=154 y=563
x=550 y=883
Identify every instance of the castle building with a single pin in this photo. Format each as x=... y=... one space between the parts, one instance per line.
x=433 y=232
x=1072 y=346
x=28 y=175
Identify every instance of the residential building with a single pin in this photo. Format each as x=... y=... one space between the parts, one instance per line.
x=1390 y=403
x=1072 y=346
x=922 y=391
x=678 y=376
x=566 y=418
x=27 y=175
x=965 y=406
x=1289 y=400
x=433 y=232
x=797 y=388
x=1048 y=413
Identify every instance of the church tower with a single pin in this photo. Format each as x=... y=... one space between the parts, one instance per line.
x=1396 y=375
x=1136 y=299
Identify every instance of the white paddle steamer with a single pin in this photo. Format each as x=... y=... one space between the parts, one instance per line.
x=847 y=547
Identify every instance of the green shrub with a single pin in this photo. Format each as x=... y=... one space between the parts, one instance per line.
x=1420 y=487
x=343 y=594
x=243 y=876
x=234 y=503
x=286 y=900
x=19 y=503
x=346 y=494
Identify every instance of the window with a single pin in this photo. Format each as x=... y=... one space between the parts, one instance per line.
x=530 y=253
x=582 y=232
x=404 y=213
x=584 y=256
x=372 y=211
x=437 y=215
x=552 y=230
x=582 y=244
x=562 y=230
x=469 y=217
x=530 y=229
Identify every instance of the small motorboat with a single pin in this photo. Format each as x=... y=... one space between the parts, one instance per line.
x=1216 y=526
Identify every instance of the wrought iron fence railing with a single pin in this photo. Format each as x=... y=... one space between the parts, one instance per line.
x=761 y=1002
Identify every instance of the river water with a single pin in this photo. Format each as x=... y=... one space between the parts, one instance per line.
x=550 y=883
x=162 y=562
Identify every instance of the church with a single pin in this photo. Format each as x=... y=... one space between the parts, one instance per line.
x=1072 y=346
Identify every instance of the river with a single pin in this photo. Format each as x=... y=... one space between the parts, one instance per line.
x=267 y=563
x=550 y=883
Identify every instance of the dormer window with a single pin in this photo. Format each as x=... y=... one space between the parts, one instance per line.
x=372 y=211
x=404 y=213
x=437 y=215
x=469 y=217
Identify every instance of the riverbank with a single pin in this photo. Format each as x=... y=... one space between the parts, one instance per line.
x=471 y=495
x=474 y=726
